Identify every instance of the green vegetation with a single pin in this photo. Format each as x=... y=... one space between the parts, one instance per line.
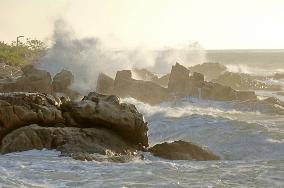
x=23 y=53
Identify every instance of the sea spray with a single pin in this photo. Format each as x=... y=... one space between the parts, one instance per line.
x=87 y=57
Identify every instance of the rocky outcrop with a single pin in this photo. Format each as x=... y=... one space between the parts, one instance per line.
x=32 y=80
x=210 y=70
x=240 y=81
x=82 y=144
x=105 y=84
x=180 y=150
x=146 y=91
x=21 y=109
x=62 y=82
x=179 y=78
x=182 y=83
x=144 y=74
x=98 y=124
x=106 y=111
x=163 y=81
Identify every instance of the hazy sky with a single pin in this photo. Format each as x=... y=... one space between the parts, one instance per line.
x=216 y=24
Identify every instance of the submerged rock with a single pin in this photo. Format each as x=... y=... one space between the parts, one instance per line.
x=180 y=150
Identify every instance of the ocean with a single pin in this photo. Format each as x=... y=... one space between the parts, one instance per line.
x=250 y=143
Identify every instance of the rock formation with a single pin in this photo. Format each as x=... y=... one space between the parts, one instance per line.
x=240 y=81
x=99 y=127
x=180 y=150
x=105 y=84
x=71 y=141
x=21 y=109
x=106 y=111
x=146 y=91
x=209 y=70
x=32 y=80
x=62 y=82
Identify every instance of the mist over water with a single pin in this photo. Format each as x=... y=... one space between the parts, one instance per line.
x=87 y=57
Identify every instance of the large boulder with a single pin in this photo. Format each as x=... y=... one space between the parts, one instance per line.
x=21 y=109
x=180 y=150
x=105 y=84
x=106 y=111
x=32 y=80
x=78 y=143
x=210 y=70
x=62 y=81
x=146 y=91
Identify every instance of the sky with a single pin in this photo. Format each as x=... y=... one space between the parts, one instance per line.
x=123 y=24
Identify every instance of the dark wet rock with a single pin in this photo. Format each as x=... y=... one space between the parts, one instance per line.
x=105 y=84
x=106 y=111
x=21 y=109
x=32 y=80
x=209 y=70
x=62 y=82
x=82 y=144
x=240 y=81
x=146 y=91
x=180 y=150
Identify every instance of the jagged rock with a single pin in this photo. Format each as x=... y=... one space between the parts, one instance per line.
x=240 y=81
x=163 y=81
x=179 y=78
x=209 y=70
x=106 y=111
x=82 y=144
x=144 y=74
x=32 y=80
x=21 y=109
x=146 y=91
x=180 y=150
x=105 y=84
x=215 y=91
x=62 y=82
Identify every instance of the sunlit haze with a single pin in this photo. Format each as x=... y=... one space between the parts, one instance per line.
x=121 y=24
